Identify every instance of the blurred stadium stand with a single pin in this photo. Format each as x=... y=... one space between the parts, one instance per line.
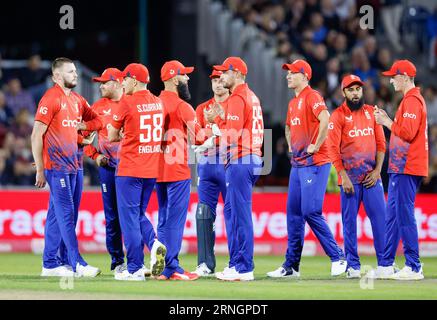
x=265 y=34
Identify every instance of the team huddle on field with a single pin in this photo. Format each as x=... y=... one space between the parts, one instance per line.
x=143 y=144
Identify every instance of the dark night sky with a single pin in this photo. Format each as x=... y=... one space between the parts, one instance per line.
x=106 y=32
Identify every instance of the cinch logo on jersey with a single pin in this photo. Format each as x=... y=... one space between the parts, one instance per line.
x=69 y=123
x=409 y=115
x=361 y=132
x=318 y=104
x=233 y=118
x=295 y=121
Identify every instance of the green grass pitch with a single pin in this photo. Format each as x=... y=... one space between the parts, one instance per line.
x=19 y=279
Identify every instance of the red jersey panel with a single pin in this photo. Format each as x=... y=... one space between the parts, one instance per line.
x=61 y=114
x=244 y=126
x=141 y=117
x=409 y=136
x=179 y=121
x=302 y=114
x=353 y=141
x=105 y=108
x=206 y=124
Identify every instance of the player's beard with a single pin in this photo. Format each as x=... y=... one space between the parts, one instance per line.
x=183 y=91
x=355 y=105
x=69 y=85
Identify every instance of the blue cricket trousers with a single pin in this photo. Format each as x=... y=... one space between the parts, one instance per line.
x=61 y=220
x=241 y=176
x=400 y=220
x=133 y=195
x=374 y=204
x=306 y=192
x=173 y=200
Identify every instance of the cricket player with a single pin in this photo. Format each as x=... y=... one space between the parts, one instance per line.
x=408 y=164
x=140 y=114
x=306 y=130
x=173 y=187
x=243 y=133
x=211 y=182
x=357 y=149
x=55 y=151
x=106 y=159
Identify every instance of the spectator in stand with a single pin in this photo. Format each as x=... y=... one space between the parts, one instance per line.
x=18 y=98
x=391 y=14
x=318 y=64
x=33 y=77
x=332 y=21
x=22 y=126
x=431 y=26
x=333 y=75
x=318 y=28
x=430 y=95
x=345 y=8
x=384 y=59
x=24 y=173
x=371 y=50
x=6 y=114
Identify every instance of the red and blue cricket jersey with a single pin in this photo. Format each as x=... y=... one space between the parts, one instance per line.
x=409 y=137
x=141 y=117
x=61 y=113
x=302 y=118
x=353 y=141
x=105 y=108
x=244 y=124
x=180 y=122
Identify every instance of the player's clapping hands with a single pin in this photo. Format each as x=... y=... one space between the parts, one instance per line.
x=214 y=110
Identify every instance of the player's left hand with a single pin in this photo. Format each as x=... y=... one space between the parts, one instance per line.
x=371 y=178
x=312 y=149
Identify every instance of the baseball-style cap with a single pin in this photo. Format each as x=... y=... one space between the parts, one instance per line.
x=110 y=74
x=232 y=63
x=350 y=80
x=137 y=71
x=403 y=67
x=215 y=74
x=299 y=66
x=173 y=68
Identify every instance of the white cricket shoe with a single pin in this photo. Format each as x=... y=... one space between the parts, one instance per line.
x=86 y=271
x=226 y=271
x=338 y=267
x=352 y=273
x=126 y=276
x=120 y=268
x=235 y=276
x=281 y=272
x=157 y=258
x=60 y=271
x=202 y=270
x=381 y=273
x=408 y=274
